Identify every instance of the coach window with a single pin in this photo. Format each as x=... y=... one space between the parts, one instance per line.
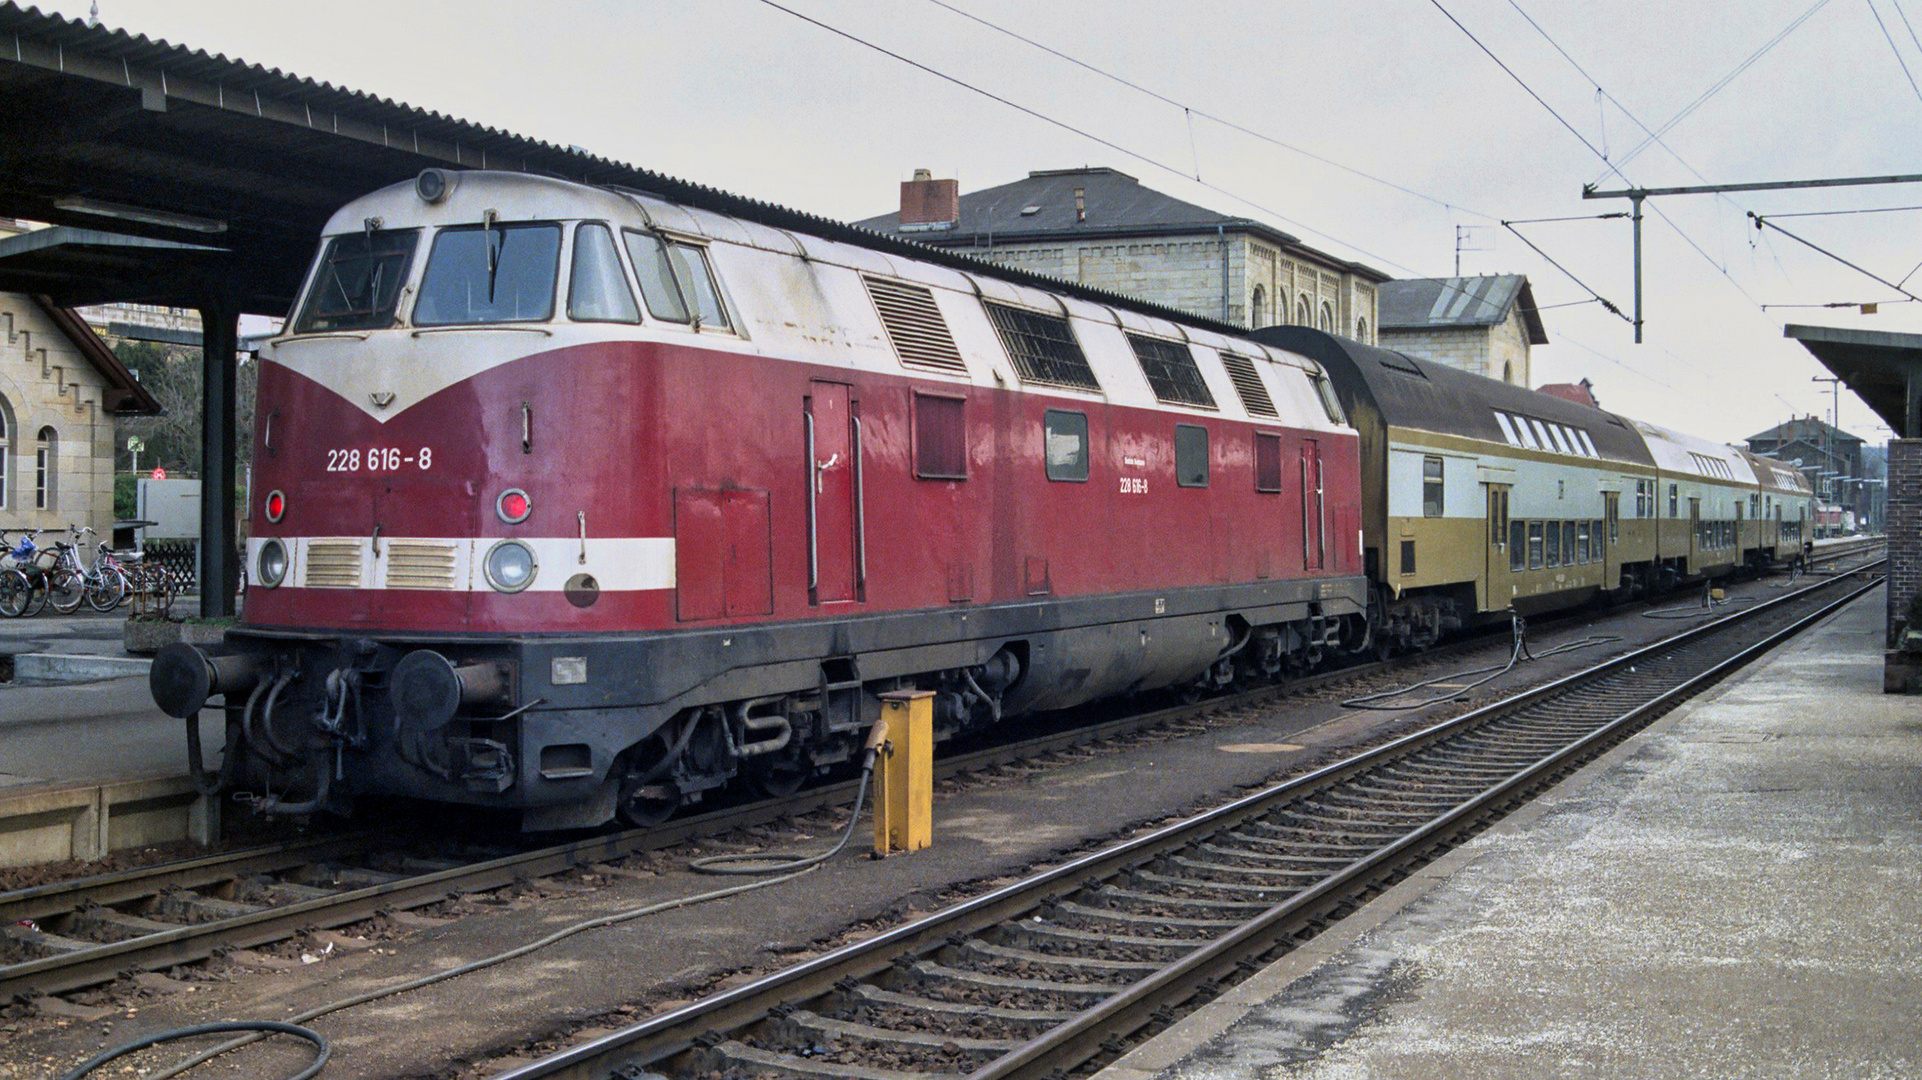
x=1191 y=455
x=1518 y=545
x=597 y=289
x=1431 y=487
x=1582 y=553
x=1568 y=543
x=1672 y=492
x=1267 y=462
x=1066 y=437
x=1552 y=546
x=1534 y=545
x=940 y=437
x=1596 y=541
x=492 y=273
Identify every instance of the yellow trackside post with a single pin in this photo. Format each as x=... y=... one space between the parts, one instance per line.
x=904 y=775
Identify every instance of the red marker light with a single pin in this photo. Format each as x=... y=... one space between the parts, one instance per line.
x=276 y=505
x=513 y=506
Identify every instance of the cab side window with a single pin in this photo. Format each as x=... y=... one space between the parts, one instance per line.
x=677 y=281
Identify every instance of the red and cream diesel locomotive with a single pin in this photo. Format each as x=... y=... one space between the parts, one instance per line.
x=580 y=501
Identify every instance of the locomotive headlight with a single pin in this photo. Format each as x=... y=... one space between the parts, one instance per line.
x=509 y=566
x=432 y=185
x=271 y=565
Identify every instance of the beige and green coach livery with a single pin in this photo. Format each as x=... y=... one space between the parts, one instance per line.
x=1481 y=498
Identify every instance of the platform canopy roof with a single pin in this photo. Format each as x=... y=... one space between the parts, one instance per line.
x=104 y=130
x=1883 y=368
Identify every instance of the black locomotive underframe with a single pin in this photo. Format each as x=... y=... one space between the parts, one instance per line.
x=559 y=748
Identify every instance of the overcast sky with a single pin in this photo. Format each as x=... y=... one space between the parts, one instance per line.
x=741 y=95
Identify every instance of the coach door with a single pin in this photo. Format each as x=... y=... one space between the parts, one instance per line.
x=1314 y=519
x=833 y=495
x=1611 y=544
x=1694 y=532
x=1495 y=591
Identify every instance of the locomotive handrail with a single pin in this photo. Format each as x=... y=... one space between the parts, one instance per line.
x=860 y=511
x=814 y=477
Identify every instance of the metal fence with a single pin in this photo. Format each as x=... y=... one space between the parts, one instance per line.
x=181 y=558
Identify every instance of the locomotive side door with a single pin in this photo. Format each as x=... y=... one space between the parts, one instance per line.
x=1314 y=526
x=833 y=493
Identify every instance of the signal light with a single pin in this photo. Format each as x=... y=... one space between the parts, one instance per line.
x=513 y=506
x=276 y=506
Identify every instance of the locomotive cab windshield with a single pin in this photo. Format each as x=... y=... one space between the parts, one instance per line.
x=357 y=284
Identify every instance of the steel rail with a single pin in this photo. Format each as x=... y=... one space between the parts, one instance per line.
x=70 y=971
x=1132 y=1008
x=662 y=1037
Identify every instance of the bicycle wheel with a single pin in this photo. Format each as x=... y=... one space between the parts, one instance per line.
x=66 y=590
x=14 y=593
x=36 y=594
x=106 y=589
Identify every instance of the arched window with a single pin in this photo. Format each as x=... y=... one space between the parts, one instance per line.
x=6 y=448
x=1258 y=308
x=1301 y=313
x=1327 y=318
x=1508 y=371
x=46 y=459
x=1361 y=330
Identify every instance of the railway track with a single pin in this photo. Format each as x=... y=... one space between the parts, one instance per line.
x=1060 y=971
x=70 y=935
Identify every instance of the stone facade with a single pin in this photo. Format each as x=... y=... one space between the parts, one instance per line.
x=1500 y=351
x=1233 y=277
x=58 y=436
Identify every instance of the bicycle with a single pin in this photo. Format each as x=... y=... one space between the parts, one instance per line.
x=106 y=584
x=23 y=585
x=66 y=582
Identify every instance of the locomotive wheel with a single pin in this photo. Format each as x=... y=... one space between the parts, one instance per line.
x=648 y=805
x=780 y=779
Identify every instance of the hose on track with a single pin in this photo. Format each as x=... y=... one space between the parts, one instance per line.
x=786 y=867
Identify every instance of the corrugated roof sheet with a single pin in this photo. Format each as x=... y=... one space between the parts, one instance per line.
x=332 y=144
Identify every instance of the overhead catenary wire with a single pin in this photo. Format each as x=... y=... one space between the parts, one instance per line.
x=1761 y=221
x=1192 y=111
x=1890 y=38
x=1084 y=133
x=1607 y=304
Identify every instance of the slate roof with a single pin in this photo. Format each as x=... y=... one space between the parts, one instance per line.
x=1424 y=303
x=1042 y=207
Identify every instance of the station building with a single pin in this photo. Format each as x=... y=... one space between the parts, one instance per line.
x=1101 y=227
x=1484 y=325
x=60 y=389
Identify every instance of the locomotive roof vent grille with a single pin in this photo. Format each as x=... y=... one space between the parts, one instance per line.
x=1172 y=372
x=1254 y=396
x=914 y=324
x=1043 y=347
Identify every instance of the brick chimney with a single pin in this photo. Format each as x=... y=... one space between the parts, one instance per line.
x=927 y=203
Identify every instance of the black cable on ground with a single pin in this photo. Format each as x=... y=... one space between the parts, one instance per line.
x=787 y=869
x=260 y=1029
x=1518 y=654
x=752 y=862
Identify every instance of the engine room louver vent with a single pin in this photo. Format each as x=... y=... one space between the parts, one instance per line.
x=914 y=325
x=420 y=564
x=1254 y=396
x=333 y=564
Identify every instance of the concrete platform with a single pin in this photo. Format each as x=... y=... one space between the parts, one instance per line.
x=1734 y=893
